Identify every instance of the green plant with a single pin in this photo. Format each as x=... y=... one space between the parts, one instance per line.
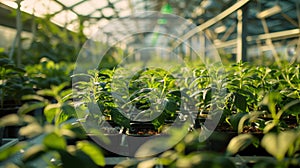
x=94 y=90
x=123 y=101
x=238 y=92
x=13 y=83
x=242 y=84
x=240 y=142
x=48 y=73
x=55 y=102
x=273 y=101
x=54 y=148
x=290 y=88
x=248 y=86
x=155 y=94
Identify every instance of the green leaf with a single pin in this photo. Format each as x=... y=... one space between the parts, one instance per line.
x=293 y=94
x=67 y=111
x=247 y=93
x=31 y=130
x=51 y=111
x=25 y=108
x=159 y=121
x=239 y=143
x=235 y=120
x=59 y=88
x=278 y=144
x=240 y=101
x=271 y=99
x=34 y=97
x=66 y=95
x=46 y=92
x=54 y=141
x=92 y=151
x=33 y=152
x=207 y=94
x=270 y=126
x=11 y=119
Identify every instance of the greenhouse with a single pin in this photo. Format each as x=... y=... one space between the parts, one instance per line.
x=149 y=83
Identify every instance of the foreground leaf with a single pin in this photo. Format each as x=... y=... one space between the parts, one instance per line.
x=54 y=141
x=239 y=143
x=92 y=151
x=34 y=152
x=50 y=111
x=26 y=108
x=31 y=130
x=278 y=144
x=11 y=119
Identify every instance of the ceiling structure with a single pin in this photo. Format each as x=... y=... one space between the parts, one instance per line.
x=266 y=20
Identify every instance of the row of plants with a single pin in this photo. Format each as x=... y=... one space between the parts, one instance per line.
x=56 y=132
x=142 y=98
x=262 y=98
x=19 y=81
x=57 y=149
x=255 y=99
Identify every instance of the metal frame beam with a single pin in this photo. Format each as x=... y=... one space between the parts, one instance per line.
x=275 y=36
x=213 y=21
x=242 y=15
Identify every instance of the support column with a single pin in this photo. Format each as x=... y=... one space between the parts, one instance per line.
x=297 y=56
x=241 y=48
x=19 y=33
x=202 y=46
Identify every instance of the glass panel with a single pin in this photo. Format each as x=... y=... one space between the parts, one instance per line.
x=99 y=4
x=64 y=17
x=40 y=8
x=85 y=8
x=107 y=12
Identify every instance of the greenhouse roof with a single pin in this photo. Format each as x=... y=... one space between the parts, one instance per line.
x=95 y=13
x=264 y=16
